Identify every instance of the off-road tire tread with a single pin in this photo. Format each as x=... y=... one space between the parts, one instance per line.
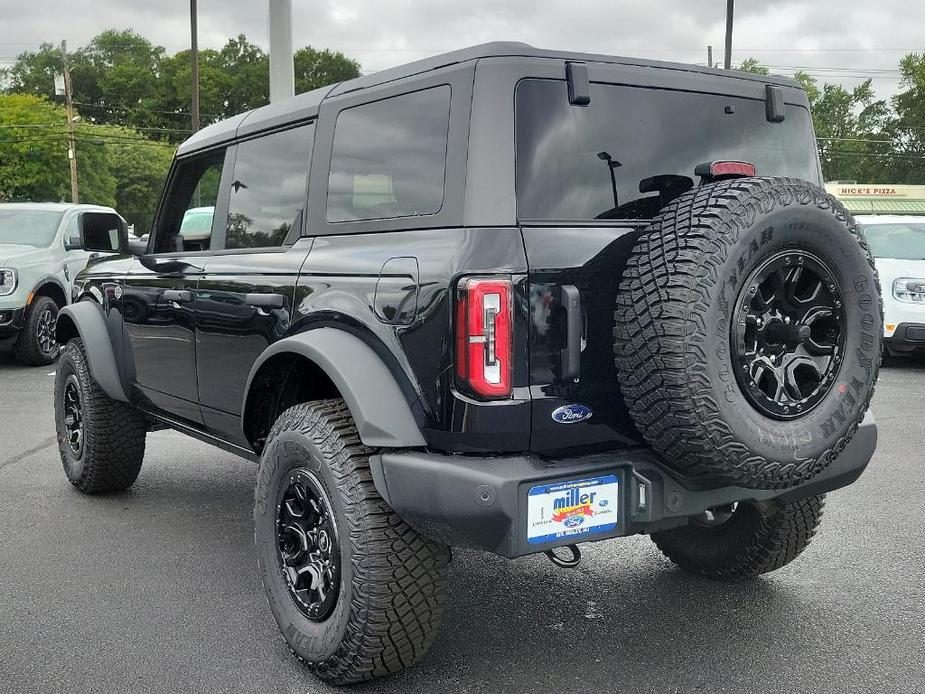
x=114 y=433
x=27 y=350
x=776 y=540
x=660 y=325
x=399 y=577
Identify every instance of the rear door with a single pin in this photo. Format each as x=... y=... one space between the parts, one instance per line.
x=245 y=294
x=589 y=178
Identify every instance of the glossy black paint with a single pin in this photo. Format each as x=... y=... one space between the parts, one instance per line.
x=591 y=258
x=338 y=286
x=160 y=334
x=232 y=332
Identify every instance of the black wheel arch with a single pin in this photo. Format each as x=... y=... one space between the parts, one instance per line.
x=85 y=320
x=324 y=363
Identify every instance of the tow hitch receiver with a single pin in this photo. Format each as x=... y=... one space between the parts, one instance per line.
x=562 y=562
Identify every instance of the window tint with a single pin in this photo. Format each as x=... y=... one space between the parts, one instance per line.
x=192 y=195
x=389 y=157
x=634 y=149
x=268 y=188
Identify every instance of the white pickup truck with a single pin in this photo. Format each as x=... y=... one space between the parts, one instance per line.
x=898 y=245
x=39 y=256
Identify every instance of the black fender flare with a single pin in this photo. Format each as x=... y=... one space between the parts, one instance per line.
x=382 y=414
x=85 y=318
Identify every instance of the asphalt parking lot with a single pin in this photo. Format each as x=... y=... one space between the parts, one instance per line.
x=156 y=589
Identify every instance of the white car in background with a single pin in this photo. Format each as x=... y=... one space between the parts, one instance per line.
x=40 y=254
x=898 y=245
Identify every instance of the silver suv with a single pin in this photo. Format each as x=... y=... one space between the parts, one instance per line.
x=40 y=254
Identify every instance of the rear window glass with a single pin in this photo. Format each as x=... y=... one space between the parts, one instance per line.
x=389 y=157
x=634 y=149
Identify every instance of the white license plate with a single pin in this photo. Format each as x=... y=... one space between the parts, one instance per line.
x=576 y=507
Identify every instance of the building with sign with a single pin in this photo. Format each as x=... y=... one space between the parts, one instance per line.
x=879 y=198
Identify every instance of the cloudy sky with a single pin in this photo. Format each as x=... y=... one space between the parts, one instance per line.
x=837 y=40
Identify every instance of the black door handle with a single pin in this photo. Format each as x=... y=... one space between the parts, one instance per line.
x=570 y=357
x=181 y=296
x=265 y=300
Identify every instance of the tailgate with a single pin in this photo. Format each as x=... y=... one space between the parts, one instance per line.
x=583 y=411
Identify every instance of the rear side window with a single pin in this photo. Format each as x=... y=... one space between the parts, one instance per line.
x=389 y=158
x=634 y=149
x=268 y=188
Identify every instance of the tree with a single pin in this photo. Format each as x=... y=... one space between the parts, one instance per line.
x=33 y=155
x=315 y=69
x=754 y=66
x=121 y=78
x=140 y=167
x=116 y=166
x=907 y=131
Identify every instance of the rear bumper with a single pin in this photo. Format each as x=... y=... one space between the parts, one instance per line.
x=481 y=502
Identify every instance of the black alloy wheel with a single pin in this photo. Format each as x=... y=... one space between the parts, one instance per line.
x=788 y=335
x=45 y=330
x=309 y=551
x=73 y=415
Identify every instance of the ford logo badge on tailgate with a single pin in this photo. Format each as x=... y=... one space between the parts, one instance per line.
x=572 y=414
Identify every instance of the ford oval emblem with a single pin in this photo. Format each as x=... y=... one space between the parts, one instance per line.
x=572 y=414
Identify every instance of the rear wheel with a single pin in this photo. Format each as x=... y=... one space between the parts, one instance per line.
x=356 y=592
x=36 y=345
x=743 y=540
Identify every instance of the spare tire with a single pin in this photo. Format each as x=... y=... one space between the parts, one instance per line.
x=747 y=332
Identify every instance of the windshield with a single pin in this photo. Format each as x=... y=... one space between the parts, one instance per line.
x=900 y=240
x=28 y=227
x=635 y=149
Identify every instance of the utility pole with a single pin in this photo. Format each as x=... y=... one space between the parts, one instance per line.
x=282 y=69
x=709 y=56
x=71 y=135
x=194 y=67
x=727 y=58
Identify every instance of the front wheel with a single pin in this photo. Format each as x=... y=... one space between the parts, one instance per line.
x=101 y=440
x=36 y=345
x=743 y=540
x=356 y=592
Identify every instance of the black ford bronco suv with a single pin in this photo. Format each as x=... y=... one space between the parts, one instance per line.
x=502 y=298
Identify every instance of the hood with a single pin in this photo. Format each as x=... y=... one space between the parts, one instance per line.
x=891 y=269
x=10 y=253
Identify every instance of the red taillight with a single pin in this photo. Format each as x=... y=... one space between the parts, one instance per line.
x=732 y=168
x=483 y=336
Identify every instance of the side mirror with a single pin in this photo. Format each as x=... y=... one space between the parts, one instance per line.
x=73 y=243
x=103 y=232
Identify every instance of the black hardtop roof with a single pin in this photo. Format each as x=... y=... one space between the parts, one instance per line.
x=305 y=106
